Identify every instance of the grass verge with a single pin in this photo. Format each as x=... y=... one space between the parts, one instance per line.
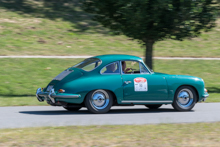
x=20 y=101
x=21 y=77
x=198 y=134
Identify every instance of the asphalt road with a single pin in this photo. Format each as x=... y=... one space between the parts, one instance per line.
x=36 y=116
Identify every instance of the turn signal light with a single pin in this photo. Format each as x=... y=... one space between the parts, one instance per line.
x=61 y=90
x=206 y=90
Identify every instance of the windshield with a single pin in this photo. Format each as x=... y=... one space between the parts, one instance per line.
x=88 y=64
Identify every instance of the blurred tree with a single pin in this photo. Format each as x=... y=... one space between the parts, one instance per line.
x=149 y=21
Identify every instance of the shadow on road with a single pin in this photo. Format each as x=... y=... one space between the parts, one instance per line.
x=112 y=111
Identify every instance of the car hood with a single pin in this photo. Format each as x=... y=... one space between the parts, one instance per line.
x=176 y=76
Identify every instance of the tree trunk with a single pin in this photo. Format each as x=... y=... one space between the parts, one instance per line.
x=149 y=53
x=19 y=2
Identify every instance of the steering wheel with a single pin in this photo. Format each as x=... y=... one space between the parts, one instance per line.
x=132 y=70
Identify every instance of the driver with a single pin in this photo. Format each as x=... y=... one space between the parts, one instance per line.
x=124 y=69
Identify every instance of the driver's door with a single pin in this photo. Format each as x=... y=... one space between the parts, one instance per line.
x=140 y=84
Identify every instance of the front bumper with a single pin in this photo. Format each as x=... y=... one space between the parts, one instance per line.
x=204 y=97
x=41 y=95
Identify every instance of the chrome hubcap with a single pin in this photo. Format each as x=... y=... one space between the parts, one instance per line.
x=100 y=100
x=185 y=98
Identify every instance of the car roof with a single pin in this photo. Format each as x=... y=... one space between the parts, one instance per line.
x=115 y=57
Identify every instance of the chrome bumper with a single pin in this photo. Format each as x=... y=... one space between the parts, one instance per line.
x=204 y=97
x=52 y=95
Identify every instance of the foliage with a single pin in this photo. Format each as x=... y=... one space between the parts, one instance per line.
x=153 y=20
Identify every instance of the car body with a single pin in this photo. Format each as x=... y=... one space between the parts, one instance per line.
x=107 y=80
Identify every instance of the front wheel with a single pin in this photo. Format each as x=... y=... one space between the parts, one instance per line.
x=184 y=99
x=99 y=101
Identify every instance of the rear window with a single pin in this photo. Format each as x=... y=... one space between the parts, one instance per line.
x=88 y=64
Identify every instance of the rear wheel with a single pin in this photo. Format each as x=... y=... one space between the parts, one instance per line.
x=184 y=99
x=153 y=106
x=99 y=101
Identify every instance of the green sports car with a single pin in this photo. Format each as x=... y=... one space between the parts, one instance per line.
x=101 y=82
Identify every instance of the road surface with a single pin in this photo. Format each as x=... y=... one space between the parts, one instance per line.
x=36 y=116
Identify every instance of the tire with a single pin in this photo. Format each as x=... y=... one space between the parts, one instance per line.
x=99 y=101
x=153 y=106
x=72 y=108
x=185 y=98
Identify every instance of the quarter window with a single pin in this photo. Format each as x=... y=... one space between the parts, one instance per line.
x=112 y=68
x=143 y=69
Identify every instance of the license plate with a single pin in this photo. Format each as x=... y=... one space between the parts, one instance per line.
x=49 y=88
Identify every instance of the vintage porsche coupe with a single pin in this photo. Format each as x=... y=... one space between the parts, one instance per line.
x=101 y=82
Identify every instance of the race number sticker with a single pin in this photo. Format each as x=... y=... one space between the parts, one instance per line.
x=140 y=84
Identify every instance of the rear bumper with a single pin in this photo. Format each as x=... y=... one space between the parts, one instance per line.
x=52 y=95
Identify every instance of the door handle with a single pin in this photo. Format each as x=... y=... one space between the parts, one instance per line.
x=127 y=82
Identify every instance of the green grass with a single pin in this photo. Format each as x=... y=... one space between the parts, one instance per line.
x=37 y=29
x=20 y=101
x=178 y=135
x=21 y=77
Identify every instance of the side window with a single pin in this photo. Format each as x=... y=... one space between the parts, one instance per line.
x=112 y=68
x=143 y=69
x=90 y=66
x=130 y=67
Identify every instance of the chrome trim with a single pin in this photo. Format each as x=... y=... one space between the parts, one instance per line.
x=37 y=92
x=120 y=66
x=51 y=93
x=99 y=99
x=146 y=101
x=127 y=82
x=205 y=96
x=65 y=96
x=185 y=98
